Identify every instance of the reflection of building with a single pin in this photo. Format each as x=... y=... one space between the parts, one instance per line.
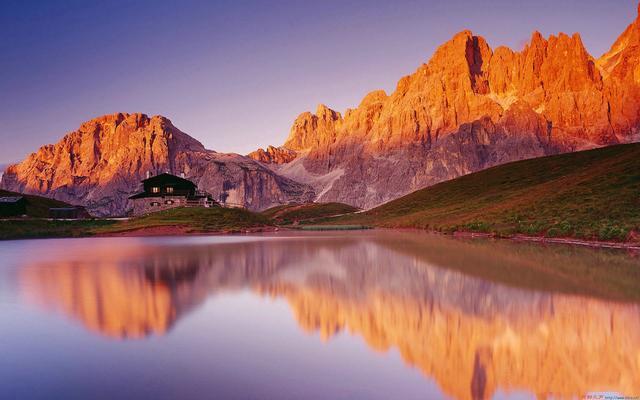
x=165 y=191
x=473 y=336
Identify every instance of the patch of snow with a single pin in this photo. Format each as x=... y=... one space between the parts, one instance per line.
x=328 y=180
x=632 y=138
x=296 y=171
x=505 y=100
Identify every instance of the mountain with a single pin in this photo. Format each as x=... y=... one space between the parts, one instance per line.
x=102 y=163
x=467 y=109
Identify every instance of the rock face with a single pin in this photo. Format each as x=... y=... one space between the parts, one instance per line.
x=469 y=108
x=102 y=163
x=278 y=155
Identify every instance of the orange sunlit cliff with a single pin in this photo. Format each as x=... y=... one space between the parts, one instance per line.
x=470 y=107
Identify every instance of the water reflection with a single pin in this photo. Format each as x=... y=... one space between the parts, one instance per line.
x=476 y=316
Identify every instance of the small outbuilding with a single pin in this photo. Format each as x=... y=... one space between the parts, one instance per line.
x=13 y=206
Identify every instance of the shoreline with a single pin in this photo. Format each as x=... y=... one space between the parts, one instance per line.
x=181 y=230
x=178 y=230
x=547 y=240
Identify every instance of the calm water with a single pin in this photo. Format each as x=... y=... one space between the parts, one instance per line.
x=379 y=315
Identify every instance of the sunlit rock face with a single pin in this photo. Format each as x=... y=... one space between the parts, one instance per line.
x=476 y=317
x=278 y=155
x=469 y=108
x=102 y=163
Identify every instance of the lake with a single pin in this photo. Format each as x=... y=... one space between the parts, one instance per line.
x=353 y=315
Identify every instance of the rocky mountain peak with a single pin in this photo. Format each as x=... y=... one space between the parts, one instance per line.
x=373 y=97
x=536 y=41
x=463 y=53
x=325 y=113
x=313 y=130
x=273 y=155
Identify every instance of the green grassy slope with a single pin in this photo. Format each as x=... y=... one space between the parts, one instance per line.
x=37 y=207
x=591 y=194
x=41 y=228
x=306 y=213
x=192 y=220
x=213 y=219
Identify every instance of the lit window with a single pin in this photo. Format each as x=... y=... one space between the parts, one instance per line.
x=169 y=189
x=154 y=203
x=168 y=202
x=155 y=189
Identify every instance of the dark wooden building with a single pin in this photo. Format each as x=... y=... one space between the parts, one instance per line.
x=13 y=206
x=165 y=191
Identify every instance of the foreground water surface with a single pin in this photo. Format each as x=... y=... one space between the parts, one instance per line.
x=372 y=315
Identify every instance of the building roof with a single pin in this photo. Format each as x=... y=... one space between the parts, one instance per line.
x=196 y=196
x=141 y=195
x=181 y=187
x=166 y=177
x=10 y=199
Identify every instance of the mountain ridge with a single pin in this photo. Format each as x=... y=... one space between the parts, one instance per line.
x=102 y=163
x=470 y=107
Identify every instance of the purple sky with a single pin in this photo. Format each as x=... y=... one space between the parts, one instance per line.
x=234 y=74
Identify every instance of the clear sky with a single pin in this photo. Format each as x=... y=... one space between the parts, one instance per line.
x=235 y=74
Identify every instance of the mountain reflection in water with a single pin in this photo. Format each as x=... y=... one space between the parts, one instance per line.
x=476 y=316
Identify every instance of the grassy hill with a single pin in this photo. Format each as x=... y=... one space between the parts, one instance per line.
x=37 y=207
x=193 y=220
x=306 y=213
x=591 y=195
x=177 y=220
